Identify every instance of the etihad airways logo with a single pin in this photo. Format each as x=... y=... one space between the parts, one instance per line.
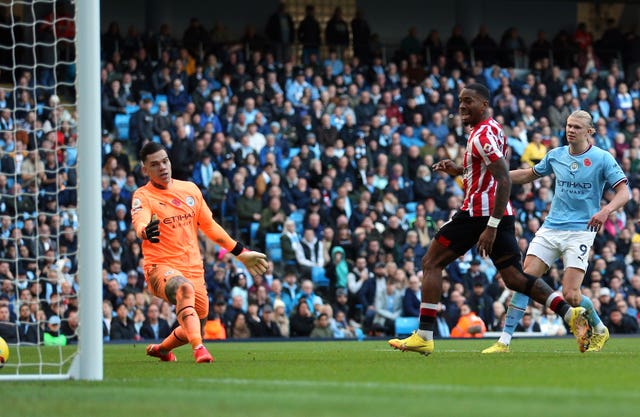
x=574 y=184
x=178 y=218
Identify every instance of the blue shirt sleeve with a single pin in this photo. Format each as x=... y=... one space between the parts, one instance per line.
x=613 y=171
x=543 y=167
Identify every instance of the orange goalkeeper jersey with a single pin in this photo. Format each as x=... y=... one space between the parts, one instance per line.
x=181 y=211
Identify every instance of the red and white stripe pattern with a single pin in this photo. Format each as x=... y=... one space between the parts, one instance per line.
x=486 y=144
x=428 y=309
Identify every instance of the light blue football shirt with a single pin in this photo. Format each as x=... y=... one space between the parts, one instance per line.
x=580 y=183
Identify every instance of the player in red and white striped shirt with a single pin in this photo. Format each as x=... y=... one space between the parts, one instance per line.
x=486 y=145
x=486 y=218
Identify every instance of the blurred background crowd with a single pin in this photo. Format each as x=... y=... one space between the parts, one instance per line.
x=313 y=144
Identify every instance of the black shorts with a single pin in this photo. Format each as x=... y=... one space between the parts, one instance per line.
x=461 y=233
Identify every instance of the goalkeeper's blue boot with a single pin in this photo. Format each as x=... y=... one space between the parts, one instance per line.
x=156 y=352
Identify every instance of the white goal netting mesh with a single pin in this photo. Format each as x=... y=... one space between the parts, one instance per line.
x=38 y=186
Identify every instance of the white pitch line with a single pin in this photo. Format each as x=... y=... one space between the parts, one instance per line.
x=446 y=388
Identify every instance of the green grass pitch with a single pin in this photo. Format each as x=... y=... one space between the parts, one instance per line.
x=540 y=377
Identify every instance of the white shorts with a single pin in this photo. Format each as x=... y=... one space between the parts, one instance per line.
x=573 y=246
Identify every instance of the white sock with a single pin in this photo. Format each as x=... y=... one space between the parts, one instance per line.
x=505 y=338
x=198 y=347
x=600 y=328
x=425 y=334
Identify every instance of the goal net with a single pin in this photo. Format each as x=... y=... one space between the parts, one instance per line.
x=50 y=204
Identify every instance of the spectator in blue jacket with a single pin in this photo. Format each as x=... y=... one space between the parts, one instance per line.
x=208 y=116
x=178 y=97
x=295 y=91
x=412 y=298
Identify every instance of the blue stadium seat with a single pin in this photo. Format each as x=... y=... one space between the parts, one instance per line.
x=410 y=217
x=284 y=163
x=146 y=94
x=411 y=206
x=160 y=98
x=298 y=217
x=319 y=277
x=253 y=231
x=406 y=325
x=122 y=125
x=273 y=248
x=293 y=152
x=130 y=109
x=229 y=218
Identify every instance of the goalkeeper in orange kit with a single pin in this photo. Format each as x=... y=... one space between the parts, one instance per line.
x=167 y=214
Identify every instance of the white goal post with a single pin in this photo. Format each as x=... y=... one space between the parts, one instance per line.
x=89 y=192
x=86 y=363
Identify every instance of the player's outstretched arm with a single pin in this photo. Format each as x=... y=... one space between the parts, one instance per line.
x=255 y=262
x=522 y=176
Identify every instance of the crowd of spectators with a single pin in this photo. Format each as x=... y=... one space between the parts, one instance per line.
x=330 y=155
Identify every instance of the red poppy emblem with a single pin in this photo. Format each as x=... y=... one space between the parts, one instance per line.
x=587 y=162
x=176 y=202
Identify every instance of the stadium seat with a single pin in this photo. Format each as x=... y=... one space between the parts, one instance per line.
x=130 y=109
x=284 y=163
x=293 y=152
x=122 y=125
x=146 y=95
x=406 y=325
x=410 y=218
x=229 y=218
x=272 y=246
x=160 y=98
x=253 y=231
x=411 y=206
x=298 y=217
x=319 y=277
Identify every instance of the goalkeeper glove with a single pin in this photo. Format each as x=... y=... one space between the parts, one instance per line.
x=152 y=231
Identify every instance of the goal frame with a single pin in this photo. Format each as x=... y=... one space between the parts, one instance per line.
x=88 y=362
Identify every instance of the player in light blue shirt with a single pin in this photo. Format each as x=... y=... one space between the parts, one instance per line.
x=580 y=182
x=581 y=173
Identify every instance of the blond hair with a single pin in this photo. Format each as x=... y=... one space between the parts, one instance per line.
x=584 y=115
x=586 y=118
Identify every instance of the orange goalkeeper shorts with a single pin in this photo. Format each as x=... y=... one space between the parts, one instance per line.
x=157 y=277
